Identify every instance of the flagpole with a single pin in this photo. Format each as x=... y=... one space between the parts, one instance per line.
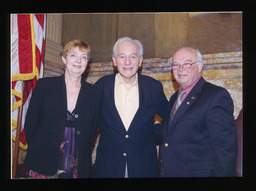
x=17 y=140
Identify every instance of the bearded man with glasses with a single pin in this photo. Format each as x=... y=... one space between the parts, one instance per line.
x=200 y=135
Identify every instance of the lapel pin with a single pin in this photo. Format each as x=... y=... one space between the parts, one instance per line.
x=193 y=97
x=188 y=103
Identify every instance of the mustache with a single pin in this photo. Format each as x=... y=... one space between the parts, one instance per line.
x=182 y=73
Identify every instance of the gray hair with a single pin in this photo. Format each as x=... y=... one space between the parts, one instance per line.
x=127 y=39
x=198 y=54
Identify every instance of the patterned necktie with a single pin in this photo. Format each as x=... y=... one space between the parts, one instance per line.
x=178 y=102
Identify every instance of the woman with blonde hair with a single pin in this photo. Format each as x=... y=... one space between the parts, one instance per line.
x=61 y=120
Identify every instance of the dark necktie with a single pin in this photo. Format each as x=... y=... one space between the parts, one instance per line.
x=178 y=102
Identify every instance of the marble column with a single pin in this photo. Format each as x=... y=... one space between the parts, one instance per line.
x=53 y=64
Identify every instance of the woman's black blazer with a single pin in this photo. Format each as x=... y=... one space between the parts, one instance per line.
x=46 y=118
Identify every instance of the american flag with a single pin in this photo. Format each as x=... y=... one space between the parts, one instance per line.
x=27 y=58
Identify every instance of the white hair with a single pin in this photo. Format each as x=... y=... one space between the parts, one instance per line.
x=127 y=39
x=198 y=54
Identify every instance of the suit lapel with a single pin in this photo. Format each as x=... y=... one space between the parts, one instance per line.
x=172 y=101
x=111 y=103
x=83 y=94
x=188 y=101
x=141 y=95
x=143 y=103
x=62 y=92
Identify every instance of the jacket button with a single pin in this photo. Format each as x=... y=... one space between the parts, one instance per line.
x=126 y=136
x=78 y=132
x=124 y=154
x=76 y=115
x=166 y=145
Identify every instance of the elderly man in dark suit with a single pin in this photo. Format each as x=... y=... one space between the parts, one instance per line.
x=127 y=144
x=199 y=136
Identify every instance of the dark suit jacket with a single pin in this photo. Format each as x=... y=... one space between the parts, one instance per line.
x=137 y=146
x=46 y=119
x=202 y=136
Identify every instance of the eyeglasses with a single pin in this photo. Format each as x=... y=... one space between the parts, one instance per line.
x=186 y=65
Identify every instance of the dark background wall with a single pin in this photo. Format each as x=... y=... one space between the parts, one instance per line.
x=160 y=33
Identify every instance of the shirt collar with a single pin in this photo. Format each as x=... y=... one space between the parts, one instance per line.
x=188 y=89
x=120 y=81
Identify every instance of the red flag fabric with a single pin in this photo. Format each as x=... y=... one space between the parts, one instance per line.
x=27 y=58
